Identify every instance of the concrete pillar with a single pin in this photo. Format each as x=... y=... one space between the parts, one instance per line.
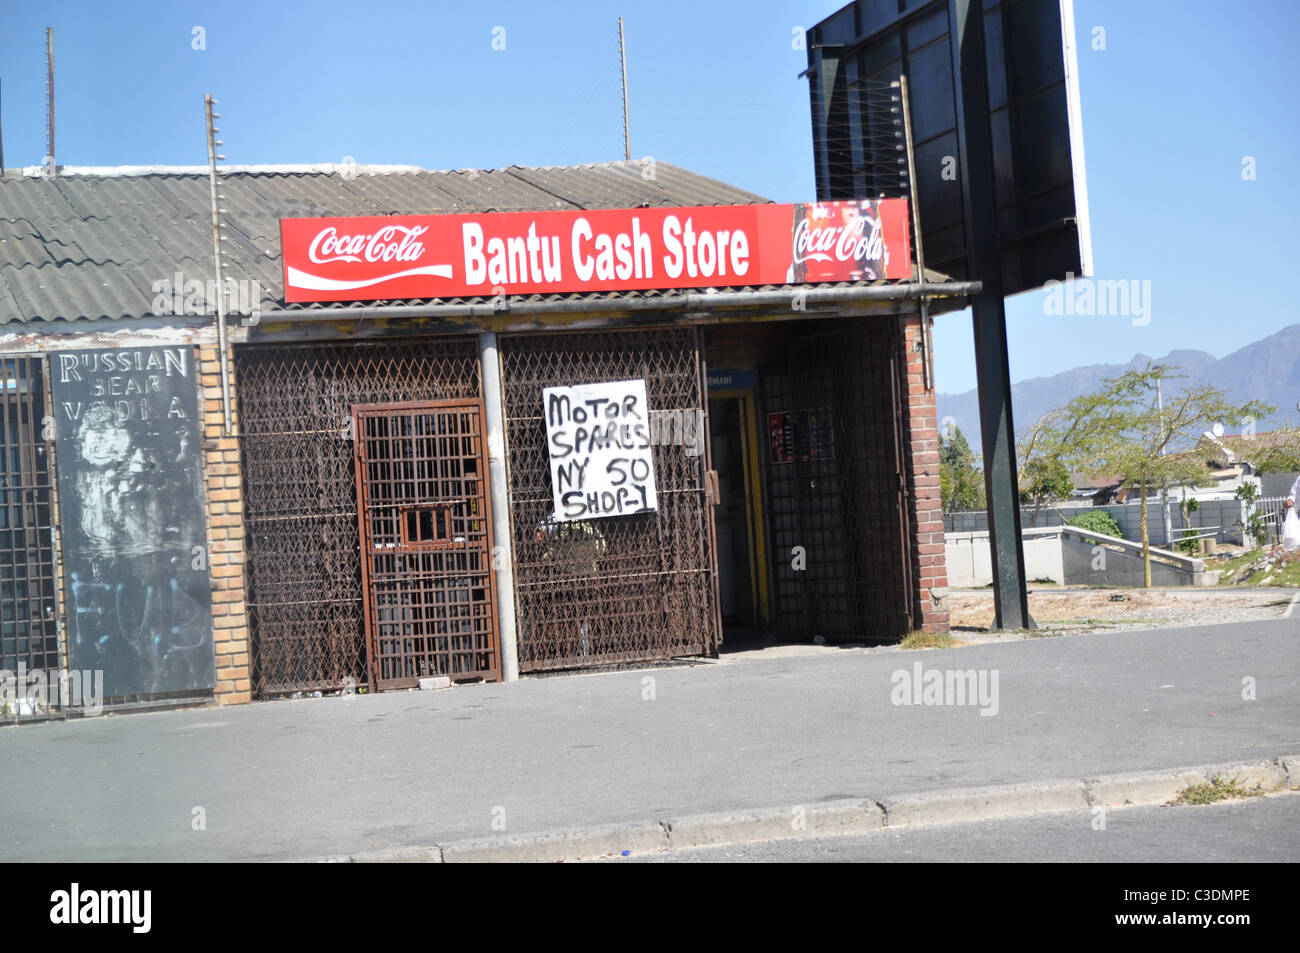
x=503 y=552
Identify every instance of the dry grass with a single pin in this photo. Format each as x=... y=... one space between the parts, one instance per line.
x=917 y=639
x=1216 y=789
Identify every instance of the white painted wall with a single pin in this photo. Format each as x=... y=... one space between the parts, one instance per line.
x=970 y=566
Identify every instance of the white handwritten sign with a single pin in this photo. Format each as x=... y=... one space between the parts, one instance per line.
x=598 y=438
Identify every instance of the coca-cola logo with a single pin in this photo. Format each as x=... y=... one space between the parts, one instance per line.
x=390 y=243
x=845 y=242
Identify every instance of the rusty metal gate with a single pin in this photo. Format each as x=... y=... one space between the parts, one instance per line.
x=303 y=574
x=618 y=589
x=29 y=631
x=426 y=536
x=840 y=496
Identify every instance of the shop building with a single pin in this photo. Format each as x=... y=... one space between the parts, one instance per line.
x=366 y=493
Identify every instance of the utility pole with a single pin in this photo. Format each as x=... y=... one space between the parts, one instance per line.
x=1164 y=488
x=622 y=60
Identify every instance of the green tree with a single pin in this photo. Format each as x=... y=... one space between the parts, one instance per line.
x=1097 y=520
x=961 y=482
x=1044 y=480
x=1043 y=475
x=1254 y=528
x=1131 y=428
x=1275 y=452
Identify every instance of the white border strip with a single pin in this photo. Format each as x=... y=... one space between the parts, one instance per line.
x=1074 y=110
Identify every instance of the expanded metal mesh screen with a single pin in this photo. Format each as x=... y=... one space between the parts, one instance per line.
x=303 y=573
x=28 y=617
x=618 y=589
x=838 y=516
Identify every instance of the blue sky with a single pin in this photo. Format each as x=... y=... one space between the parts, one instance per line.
x=1182 y=92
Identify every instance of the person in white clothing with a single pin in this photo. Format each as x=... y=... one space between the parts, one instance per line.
x=1290 y=497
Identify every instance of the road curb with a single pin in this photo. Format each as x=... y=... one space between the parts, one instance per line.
x=550 y=847
x=853 y=816
x=980 y=804
x=846 y=816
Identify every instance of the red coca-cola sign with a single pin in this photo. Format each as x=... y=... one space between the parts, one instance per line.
x=714 y=246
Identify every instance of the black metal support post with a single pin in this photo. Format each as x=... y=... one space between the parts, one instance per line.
x=994 y=382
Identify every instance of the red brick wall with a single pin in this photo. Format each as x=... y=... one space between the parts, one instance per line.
x=929 y=569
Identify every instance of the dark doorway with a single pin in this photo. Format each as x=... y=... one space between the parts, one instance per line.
x=738 y=514
x=838 y=483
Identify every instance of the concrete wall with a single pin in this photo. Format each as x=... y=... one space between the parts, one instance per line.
x=1074 y=557
x=1276 y=484
x=970 y=566
x=1090 y=563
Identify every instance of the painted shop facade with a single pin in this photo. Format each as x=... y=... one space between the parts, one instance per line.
x=468 y=425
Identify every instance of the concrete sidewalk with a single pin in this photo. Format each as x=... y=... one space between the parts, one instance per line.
x=334 y=776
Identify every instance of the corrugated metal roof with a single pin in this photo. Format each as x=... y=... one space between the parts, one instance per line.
x=92 y=245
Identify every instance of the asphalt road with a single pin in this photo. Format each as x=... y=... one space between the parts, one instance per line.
x=1251 y=830
x=319 y=777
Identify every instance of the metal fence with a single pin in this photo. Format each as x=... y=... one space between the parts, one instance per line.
x=840 y=499
x=303 y=574
x=1221 y=519
x=28 y=588
x=1273 y=511
x=620 y=589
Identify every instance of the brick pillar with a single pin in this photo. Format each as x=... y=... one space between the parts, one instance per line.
x=225 y=509
x=921 y=438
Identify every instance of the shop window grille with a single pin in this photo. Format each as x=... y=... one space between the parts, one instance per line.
x=302 y=544
x=618 y=589
x=29 y=631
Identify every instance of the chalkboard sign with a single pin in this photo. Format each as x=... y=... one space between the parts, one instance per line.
x=134 y=549
x=598 y=437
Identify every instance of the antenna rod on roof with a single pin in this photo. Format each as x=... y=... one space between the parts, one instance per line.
x=2 y=137
x=622 y=59
x=223 y=357
x=50 y=166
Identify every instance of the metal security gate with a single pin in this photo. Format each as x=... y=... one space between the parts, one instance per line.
x=426 y=539
x=306 y=615
x=626 y=588
x=28 y=617
x=837 y=483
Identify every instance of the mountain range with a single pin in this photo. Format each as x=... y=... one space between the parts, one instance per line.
x=1267 y=370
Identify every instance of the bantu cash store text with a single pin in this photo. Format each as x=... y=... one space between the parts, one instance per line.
x=466 y=424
